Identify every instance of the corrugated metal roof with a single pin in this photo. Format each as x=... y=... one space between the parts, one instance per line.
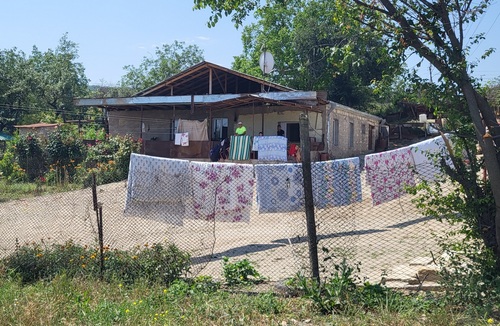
x=4 y=137
x=209 y=78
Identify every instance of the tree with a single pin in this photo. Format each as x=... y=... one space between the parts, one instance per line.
x=12 y=87
x=314 y=51
x=57 y=78
x=169 y=60
x=40 y=85
x=435 y=31
x=492 y=93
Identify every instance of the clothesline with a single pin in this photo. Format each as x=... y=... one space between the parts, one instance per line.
x=224 y=191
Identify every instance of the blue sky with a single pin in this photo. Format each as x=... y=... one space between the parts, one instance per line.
x=112 y=33
x=115 y=33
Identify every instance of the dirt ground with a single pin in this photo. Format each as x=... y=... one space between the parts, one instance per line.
x=385 y=239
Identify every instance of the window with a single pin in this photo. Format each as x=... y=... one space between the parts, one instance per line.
x=351 y=134
x=336 y=132
x=219 y=128
x=174 y=124
x=363 y=129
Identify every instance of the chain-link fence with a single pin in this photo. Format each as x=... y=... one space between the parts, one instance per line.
x=254 y=211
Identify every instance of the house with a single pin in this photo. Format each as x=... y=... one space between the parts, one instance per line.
x=40 y=129
x=213 y=99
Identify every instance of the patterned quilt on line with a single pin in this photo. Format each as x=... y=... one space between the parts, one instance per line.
x=222 y=191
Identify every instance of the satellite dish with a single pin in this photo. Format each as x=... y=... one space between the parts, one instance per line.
x=266 y=62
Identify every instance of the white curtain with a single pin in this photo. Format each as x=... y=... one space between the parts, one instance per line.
x=198 y=130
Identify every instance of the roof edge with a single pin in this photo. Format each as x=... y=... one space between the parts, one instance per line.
x=336 y=105
x=216 y=66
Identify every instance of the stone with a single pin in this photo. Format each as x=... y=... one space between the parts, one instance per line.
x=429 y=274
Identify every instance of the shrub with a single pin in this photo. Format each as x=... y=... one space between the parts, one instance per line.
x=336 y=293
x=63 y=159
x=159 y=263
x=93 y=132
x=110 y=159
x=31 y=156
x=343 y=292
x=156 y=264
x=40 y=261
x=65 y=153
x=470 y=272
x=240 y=272
x=9 y=168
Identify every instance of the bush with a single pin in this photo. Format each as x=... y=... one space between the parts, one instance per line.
x=93 y=132
x=65 y=154
x=63 y=159
x=31 y=156
x=40 y=261
x=110 y=159
x=334 y=294
x=9 y=168
x=240 y=272
x=342 y=292
x=156 y=263
x=470 y=272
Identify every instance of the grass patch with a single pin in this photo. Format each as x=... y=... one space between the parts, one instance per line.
x=58 y=284
x=19 y=190
x=78 y=301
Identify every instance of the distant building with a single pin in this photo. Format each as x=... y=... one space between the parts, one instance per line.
x=40 y=129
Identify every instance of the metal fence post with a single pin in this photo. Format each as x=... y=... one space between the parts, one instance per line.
x=98 y=211
x=305 y=148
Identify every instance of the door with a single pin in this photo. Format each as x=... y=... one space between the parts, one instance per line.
x=370 y=137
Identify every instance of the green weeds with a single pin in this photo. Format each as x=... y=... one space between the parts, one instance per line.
x=155 y=263
x=81 y=300
x=240 y=272
x=42 y=284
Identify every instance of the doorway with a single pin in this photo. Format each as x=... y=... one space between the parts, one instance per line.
x=292 y=131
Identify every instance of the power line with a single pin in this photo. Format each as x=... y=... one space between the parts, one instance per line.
x=34 y=110
x=489 y=30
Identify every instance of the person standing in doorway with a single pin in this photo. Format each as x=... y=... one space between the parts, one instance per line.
x=280 y=132
x=255 y=146
x=240 y=130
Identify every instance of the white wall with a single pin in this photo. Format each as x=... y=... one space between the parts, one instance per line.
x=253 y=123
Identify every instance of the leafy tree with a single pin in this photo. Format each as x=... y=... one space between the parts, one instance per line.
x=436 y=31
x=13 y=67
x=31 y=86
x=492 y=93
x=168 y=60
x=316 y=50
x=56 y=78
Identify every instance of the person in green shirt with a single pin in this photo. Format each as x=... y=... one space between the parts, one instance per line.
x=240 y=130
